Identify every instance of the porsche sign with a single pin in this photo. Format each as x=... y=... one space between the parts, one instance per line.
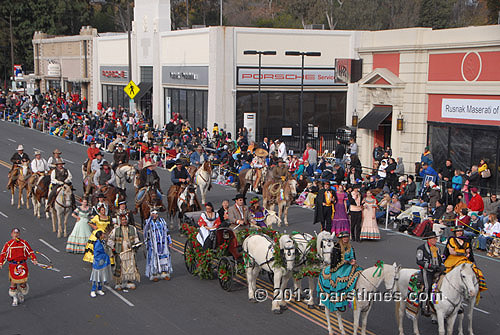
x=286 y=76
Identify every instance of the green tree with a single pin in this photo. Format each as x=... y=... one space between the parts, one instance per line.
x=436 y=13
x=493 y=11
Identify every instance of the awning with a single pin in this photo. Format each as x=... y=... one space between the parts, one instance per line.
x=143 y=89
x=375 y=117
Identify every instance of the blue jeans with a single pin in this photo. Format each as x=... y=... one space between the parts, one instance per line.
x=483 y=241
x=96 y=285
x=141 y=194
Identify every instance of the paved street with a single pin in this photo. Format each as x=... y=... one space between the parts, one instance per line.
x=59 y=302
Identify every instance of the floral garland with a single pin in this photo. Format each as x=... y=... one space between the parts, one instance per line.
x=312 y=264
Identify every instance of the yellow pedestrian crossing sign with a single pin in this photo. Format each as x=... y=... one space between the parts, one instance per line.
x=131 y=89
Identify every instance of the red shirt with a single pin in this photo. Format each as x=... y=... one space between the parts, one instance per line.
x=476 y=203
x=16 y=250
x=91 y=152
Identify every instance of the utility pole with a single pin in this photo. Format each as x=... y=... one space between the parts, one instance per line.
x=11 y=48
x=187 y=13
x=221 y=12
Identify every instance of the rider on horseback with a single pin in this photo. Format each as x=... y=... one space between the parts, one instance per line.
x=56 y=155
x=198 y=156
x=105 y=176
x=97 y=162
x=148 y=177
x=16 y=160
x=59 y=177
x=431 y=266
x=179 y=178
x=39 y=165
x=91 y=154
x=280 y=171
x=120 y=156
x=257 y=164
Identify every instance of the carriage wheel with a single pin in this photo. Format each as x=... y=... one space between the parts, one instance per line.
x=227 y=277
x=188 y=250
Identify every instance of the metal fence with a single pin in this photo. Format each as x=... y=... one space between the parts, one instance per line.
x=322 y=142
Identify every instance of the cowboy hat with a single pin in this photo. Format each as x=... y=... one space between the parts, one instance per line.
x=98 y=153
x=179 y=162
x=239 y=196
x=100 y=195
x=430 y=235
x=148 y=164
x=457 y=228
x=105 y=163
x=260 y=152
x=37 y=152
x=343 y=234
x=57 y=151
x=59 y=161
x=20 y=147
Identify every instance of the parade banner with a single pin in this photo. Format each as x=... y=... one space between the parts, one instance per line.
x=471 y=109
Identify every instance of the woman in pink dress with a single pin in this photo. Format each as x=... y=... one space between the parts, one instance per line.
x=369 y=228
x=340 y=219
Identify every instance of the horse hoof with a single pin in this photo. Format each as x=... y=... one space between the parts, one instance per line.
x=284 y=307
x=252 y=300
x=277 y=311
x=310 y=306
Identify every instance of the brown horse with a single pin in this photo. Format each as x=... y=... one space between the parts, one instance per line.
x=248 y=177
x=182 y=199
x=191 y=169
x=281 y=194
x=39 y=192
x=18 y=177
x=149 y=200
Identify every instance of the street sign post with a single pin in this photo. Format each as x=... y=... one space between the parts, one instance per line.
x=131 y=89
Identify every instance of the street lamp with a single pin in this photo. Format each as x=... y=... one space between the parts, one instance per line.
x=129 y=41
x=260 y=53
x=303 y=54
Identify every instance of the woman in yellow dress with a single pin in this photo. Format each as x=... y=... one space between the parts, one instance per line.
x=100 y=222
x=459 y=251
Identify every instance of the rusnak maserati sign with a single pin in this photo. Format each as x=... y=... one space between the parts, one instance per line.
x=286 y=76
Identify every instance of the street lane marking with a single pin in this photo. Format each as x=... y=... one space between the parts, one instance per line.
x=3 y=214
x=478 y=309
x=67 y=160
x=48 y=245
x=36 y=149
x=11 y=140
x=314 y=315
x=122 y=298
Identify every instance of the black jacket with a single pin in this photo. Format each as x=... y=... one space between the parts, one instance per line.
x=318 y=208
x=425 y=260
x=148 y=180
x=16 y=158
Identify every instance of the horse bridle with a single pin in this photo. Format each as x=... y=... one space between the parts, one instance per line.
x=59 y=190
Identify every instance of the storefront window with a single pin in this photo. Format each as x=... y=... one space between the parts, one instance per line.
x=114 y=96
x=465 y=146
x=192 y=105
x=326 y=110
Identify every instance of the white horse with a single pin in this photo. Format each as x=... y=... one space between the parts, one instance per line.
x=61 y=209
x=367 y=287
x=324 y=246
x=459 y=285
x=203 y=180
x=260 y=249
x=124 y=173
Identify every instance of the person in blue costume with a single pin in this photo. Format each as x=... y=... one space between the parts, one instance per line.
x=340 y=277
x=100 y=267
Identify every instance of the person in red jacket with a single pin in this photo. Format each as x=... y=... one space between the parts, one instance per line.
x=476 y=202
x=16 y=252
x=91 y=153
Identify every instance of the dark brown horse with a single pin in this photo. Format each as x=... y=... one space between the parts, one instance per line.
x=40 y=193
